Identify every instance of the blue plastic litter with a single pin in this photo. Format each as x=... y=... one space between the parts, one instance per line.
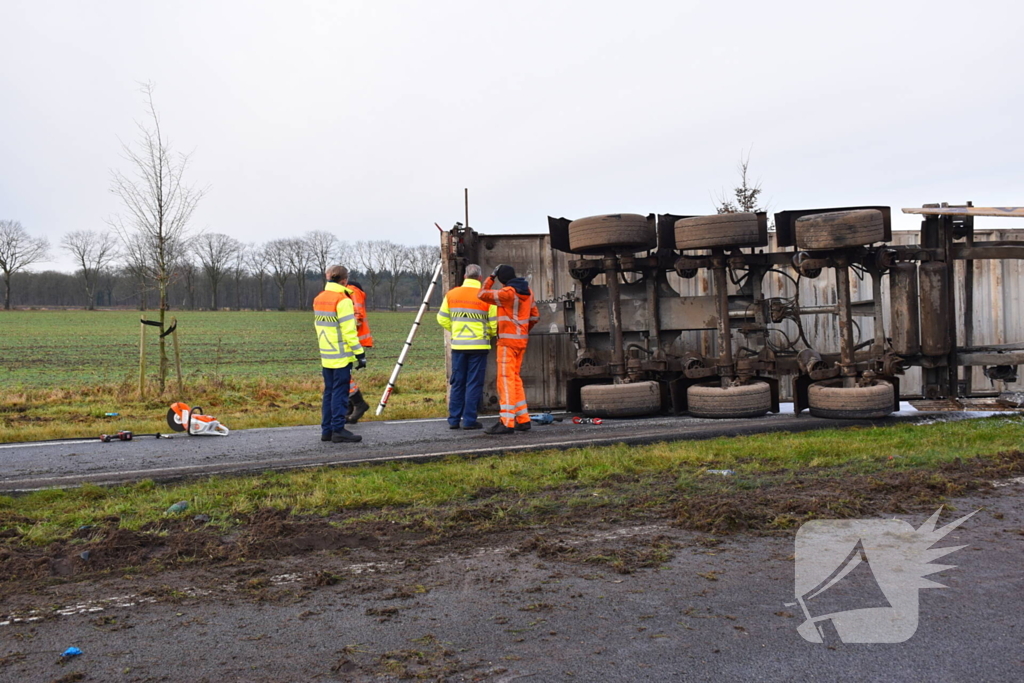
x=71 y=652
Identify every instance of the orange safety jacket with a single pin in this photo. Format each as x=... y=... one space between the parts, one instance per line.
x=335 y=325
x=517 y=314
x=471 y=322
x=362 y=325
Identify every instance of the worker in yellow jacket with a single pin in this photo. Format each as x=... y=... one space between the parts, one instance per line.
x=472 y=324
x=338 y=339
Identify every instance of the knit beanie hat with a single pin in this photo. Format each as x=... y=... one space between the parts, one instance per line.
x=506 y=273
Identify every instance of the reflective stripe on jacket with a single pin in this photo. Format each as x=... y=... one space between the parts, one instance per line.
x=517 y=314
x=471 y=321
x=362 y=324
x=335 y=325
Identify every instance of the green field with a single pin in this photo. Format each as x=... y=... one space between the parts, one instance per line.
x=61 y=371
x=48 y=349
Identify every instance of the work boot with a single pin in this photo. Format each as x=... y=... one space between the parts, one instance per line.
x=472 y=425
x=499 y=428
x=522 y=426
x=359 y=407
x=345 y=436
x=325 y=437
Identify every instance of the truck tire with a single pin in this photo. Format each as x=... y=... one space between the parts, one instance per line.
x=621 y=400
x=723 y=230
x=830 y=399
x=839 y=229
x=745 y=400
x=623 y=231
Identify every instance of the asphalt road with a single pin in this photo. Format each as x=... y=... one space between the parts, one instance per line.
x=26 y=467
x=496 y=612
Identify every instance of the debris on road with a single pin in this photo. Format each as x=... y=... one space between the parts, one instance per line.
x=71 y=652
x=180 y=506
x=183 y=418
x=120 y=436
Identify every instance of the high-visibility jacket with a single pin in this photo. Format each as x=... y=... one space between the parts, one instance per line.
x=335 y=325
x=517 y=313
x=362 y=324
x=471 y=321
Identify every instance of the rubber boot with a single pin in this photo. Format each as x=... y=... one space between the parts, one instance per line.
x=499 y=428
x=359 y=407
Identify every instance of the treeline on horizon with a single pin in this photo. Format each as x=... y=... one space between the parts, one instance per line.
x=218 y=272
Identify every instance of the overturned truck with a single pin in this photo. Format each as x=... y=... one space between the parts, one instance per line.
x=703 y=314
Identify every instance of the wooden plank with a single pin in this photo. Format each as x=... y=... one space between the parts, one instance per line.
x=1001 y=211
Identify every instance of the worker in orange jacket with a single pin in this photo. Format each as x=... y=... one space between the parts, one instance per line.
x=517 y=314
x=357 y=405
x=362 y=324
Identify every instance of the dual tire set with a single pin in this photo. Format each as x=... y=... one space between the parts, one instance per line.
x=644 y=398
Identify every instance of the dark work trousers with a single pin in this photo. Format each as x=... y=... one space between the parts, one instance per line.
x=335 y=403
x=468 y=370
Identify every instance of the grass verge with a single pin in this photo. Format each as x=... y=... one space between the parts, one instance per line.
x=531 y=485
x=28 y=414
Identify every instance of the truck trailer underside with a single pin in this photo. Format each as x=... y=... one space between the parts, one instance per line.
x=704 y=315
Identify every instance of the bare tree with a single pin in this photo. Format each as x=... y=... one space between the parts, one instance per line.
x=158 y=204
x=188 y=271
x=256 y=260
x=396 y=259
x=747 y=195
x=238 y=271
x=276 y=254
x=18 y=250
x=369 y=258
x=300 y=259
x=424 y=261
x=93 y=253
x=136 y=266
x=324 y=248
x=216 y=253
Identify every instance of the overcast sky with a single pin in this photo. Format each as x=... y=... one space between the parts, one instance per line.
x=369 y=118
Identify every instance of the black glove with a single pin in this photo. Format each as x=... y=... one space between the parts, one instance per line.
x=360 y=361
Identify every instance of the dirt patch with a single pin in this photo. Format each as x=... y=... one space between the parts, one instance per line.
x=776 y=502
x=105 y=548
x=624 y=557
x=273 y=533
x=787 y=504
